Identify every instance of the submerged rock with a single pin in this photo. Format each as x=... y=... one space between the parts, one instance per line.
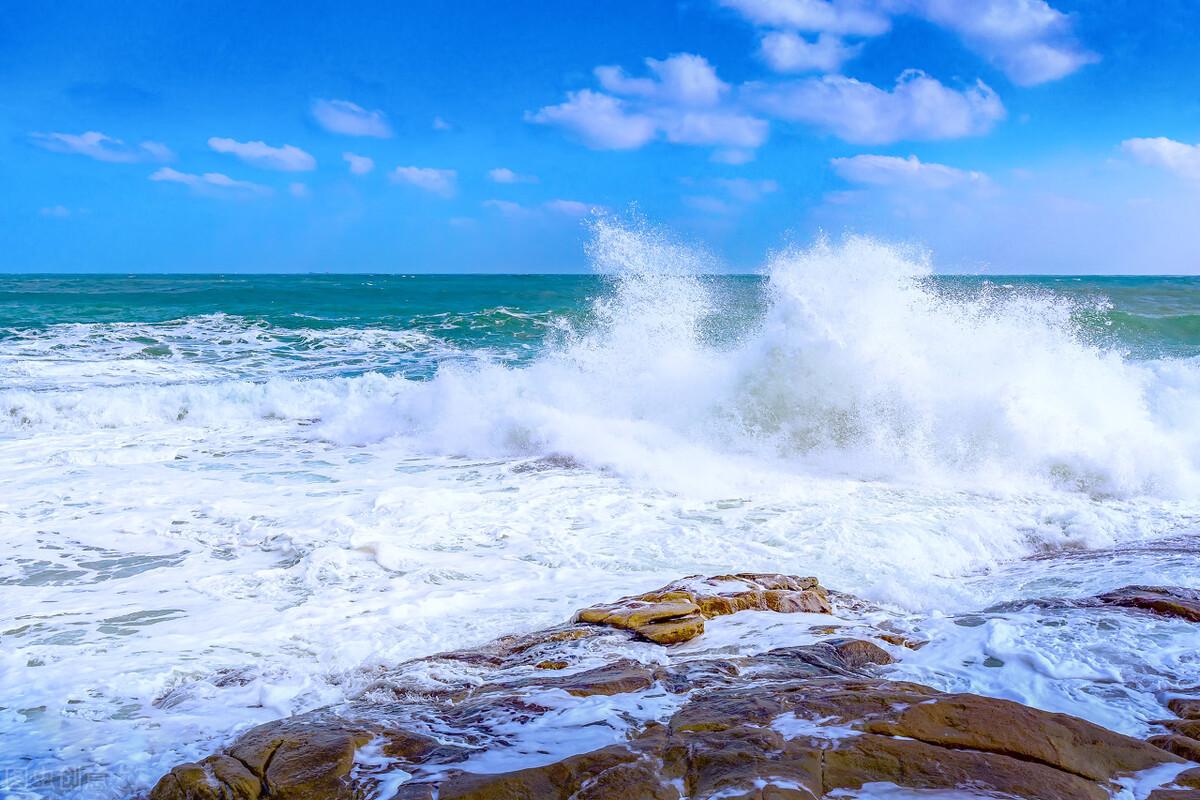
x=591 y=711
x=1171 y=601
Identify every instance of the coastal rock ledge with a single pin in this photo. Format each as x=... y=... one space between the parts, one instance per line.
x=509 y=721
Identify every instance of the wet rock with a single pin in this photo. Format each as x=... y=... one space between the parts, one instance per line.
x=1182 y=746
x=1184 y=727
x=1170 y=601
x=794 y=722
x=214 y=778
x=303 y=758
x=1185 y=707
x=676 y=612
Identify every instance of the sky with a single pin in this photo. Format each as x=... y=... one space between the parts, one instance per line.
x=1005 y=136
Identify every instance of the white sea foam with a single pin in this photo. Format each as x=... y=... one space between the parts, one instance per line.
x=245 y=533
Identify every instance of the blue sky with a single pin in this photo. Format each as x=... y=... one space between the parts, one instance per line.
x=1005 y=135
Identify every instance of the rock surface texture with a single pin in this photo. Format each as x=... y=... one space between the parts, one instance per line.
x=509 y=721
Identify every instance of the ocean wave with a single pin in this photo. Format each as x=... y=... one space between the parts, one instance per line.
x=858 y=365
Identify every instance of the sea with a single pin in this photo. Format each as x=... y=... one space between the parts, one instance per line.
x=225 y=499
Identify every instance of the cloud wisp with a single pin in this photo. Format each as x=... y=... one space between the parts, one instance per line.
x=910 y=173
x=351 y=119
x=442 y=182
x=359 y=165
x=506 y=175
x=1173 y=156
x=211 y=183
x=100 y=147
x=287 y=158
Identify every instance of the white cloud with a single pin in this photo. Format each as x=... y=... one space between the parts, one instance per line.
x=1178 y=157
x=785 y=51
x=287 y=158
x=908 y=172
x=919 y=107
x=682 y=80
x=298 y=189
x=506 y=175
x=351 y=119
x=94 y=144
x=725 y=128
x=508 y=208
x=832 y=16
x=440 y=124
x=571 y=208
x=1029 y=40
x=359 y=165
x=600 y=120
x=438 y=181
x=682 y=102
x=61 y=212
x=210 y=182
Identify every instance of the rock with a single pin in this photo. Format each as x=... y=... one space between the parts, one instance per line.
x=795 y=722
x=1182 y=746
x=214 y=778
x=1171 y=601
x=676 y=612
x=1001 y=726
x=1184 y=727
x=1185 y=707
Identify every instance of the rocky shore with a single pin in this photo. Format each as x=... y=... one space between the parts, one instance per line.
x=625 y=703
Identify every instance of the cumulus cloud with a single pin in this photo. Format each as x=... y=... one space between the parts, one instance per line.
x=682 y=101
x=1029 y=40
x=1178 y=157
x=437 y=181
x=918 y=107
x=359 y=165
x=908 y=172
x=350 y=119
x=287 y=158
x=506 y=175
x=210 y=182
x=786 y=51
x=683 y=80
x=60 y=212
x=600 y=120
x=440 y=124
x=100 y=147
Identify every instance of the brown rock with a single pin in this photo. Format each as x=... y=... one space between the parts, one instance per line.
x=1186 y=707
x=214 y=778
x=868 y=759
x=1171 y=601
x=1182 y=746
x=676 y=612
x=1184 y=727
x=551 y=665
x=1011 y=729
